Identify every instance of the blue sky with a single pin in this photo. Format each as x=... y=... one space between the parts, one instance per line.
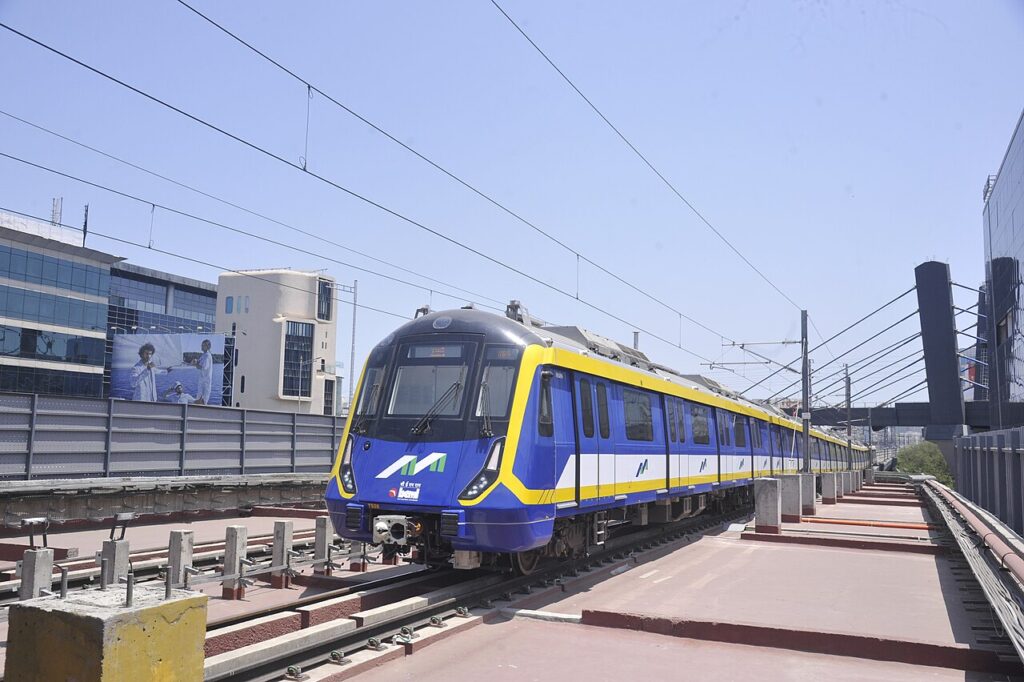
x=836 y=144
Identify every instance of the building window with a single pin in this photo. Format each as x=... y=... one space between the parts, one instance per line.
x=298 y=360
x=324 y=299
x=241 y=384
x=43 y=345
x=229 y=304
x=329 y=397
x=246 y=304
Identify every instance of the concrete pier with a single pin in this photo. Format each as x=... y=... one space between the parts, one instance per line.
x=93 y=637
x=179 y=554
x=767 y=506
x=283 y=531
x=235 y=541
x=116 y=554
x=828 y=488
x=323 y=536
x=792 y=508
x=869 y=476
x=808 y=494
x=36 y=573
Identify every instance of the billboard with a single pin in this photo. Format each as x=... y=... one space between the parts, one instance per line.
x=168 y=368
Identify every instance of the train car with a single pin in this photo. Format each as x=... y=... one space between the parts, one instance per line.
x=482 y=440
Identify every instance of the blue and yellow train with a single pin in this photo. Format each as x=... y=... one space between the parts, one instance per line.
x=482 y=440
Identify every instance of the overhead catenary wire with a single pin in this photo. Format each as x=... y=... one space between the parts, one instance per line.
x=237 y=230
x=643 y=158
x=832 y=338
x=311 y=87
x=855 y=347
x=244 y=209
x=354 y=194
x=197 y=261
x=853 y=381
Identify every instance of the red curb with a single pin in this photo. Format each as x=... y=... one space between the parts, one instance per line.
x=957 y=657
x=848 y=543
x=790 y=518
x=774 y=530
x=885 y=503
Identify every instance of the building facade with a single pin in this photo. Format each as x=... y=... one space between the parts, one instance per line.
x=53 y=309
x=284 y=325
x=1001 y=298
x=145 y=301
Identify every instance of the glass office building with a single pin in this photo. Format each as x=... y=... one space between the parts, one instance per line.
x=62 y=303
x=53 y=309
x=1003 y=324
x=145 y=301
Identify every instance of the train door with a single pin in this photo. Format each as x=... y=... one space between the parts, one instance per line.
x=724 y=422
x=605 y=439
x=776 y=444
x=588 y=460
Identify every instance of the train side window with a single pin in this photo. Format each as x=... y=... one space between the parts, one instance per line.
x=545 y=421
x=755 y=434
x=724 y=427
x=777 y=435
x=681 y=420
x=602 y=411
x=699 y=424
x=740 y=430
x=638 y=412
x=671 y=419
x=587 y=406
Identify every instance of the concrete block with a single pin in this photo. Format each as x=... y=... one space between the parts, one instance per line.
x=808 y=494
x=792 y=509
x=179 y=550
x=36 y=573
x=869 y=476
x=235 y=542
x=283 y=533
x=839 y=485
x=767 y=506
x=116 y=554
x=93 y=637
x=828 y=488
x=225 y=664
x=847 y=482
x=323 y=536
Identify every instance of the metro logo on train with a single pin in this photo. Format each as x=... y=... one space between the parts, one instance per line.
x=530 y=441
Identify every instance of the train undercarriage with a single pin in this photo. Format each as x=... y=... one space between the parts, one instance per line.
x=419 y=539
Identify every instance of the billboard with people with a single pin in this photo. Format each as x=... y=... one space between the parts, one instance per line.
x=168 y=368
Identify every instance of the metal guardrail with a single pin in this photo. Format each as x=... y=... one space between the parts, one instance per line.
x=45 y=437
x=988 y=471
x=994 y=552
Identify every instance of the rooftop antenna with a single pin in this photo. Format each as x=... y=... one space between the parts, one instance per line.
x=56 y=210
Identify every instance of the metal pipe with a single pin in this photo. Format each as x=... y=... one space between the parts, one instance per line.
x=167 y=583
x=130 y=593
x=104 y=566
x=63 y=582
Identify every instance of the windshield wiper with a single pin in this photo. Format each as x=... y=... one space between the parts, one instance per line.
x=424 y=423
x=360 y=425
x=485 y=410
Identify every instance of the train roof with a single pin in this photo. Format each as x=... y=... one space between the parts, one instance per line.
x=518 y=326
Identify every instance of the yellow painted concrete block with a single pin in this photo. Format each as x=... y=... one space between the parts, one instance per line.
x=93 y=637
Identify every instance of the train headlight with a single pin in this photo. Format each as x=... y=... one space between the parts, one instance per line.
x=483 y=480
x=348 y=477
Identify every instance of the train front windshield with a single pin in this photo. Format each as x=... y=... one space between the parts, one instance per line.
x=451 y=390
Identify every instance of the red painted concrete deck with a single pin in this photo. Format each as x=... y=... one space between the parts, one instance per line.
x=895 y=615
x=518 y=650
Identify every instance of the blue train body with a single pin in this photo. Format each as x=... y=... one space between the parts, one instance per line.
x=475 y=438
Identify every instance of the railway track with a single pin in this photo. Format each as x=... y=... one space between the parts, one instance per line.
x=401 y=621
x=148 y=564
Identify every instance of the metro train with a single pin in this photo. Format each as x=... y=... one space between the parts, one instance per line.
x=481 y=440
